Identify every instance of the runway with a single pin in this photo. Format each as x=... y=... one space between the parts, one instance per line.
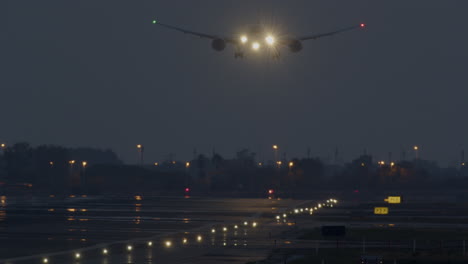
x=56 y=230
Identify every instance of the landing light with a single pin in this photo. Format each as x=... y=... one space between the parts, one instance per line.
x=270 y=40
x=256 y=46
x=244 y=39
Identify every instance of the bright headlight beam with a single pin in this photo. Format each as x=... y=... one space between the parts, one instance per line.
x=270 y=40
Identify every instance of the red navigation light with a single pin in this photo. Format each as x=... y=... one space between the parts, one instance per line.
x=271 y=191
x=187 y=189
x=362 y=25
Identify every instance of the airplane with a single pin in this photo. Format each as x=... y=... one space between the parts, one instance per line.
x=257 y=37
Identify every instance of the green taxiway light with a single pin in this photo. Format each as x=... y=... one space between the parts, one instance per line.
x=155 y=21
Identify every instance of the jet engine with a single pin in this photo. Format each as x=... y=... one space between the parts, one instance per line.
x=295 y=45
x=218 y=44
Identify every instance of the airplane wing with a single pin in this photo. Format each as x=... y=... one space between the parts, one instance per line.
x=317 y=36
x=185 y=31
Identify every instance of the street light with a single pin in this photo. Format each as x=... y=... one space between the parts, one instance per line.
x=291 y=164
x=84 y=164
x=3 y=145
x=278 y=163
x=141 y=149
x=187 y=178
x=416 y=151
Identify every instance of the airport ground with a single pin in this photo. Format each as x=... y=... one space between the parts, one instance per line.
x=56 y=228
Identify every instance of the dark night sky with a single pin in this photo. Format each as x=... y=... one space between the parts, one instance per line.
x=99 y=74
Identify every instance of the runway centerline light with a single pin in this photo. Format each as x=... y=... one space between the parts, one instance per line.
x=213 y=230
x=199 y=238
x=105 y=251
x=246 y=223
x=77 y=255
x=45 y=260
x=150 y=243
x=235 y=227
x=254 y=224
x=129 y=248
x=225 y=229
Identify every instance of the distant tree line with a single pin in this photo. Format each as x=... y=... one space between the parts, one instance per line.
x=59 y=170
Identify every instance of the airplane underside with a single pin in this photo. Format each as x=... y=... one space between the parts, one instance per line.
x=240 y=53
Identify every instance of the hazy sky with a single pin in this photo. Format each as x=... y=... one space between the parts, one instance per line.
x=99 y=74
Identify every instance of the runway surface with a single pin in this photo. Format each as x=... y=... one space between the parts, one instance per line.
x=80 y=229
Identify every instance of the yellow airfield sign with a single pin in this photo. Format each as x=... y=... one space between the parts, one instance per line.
x=381 y=210
x=393 y=199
